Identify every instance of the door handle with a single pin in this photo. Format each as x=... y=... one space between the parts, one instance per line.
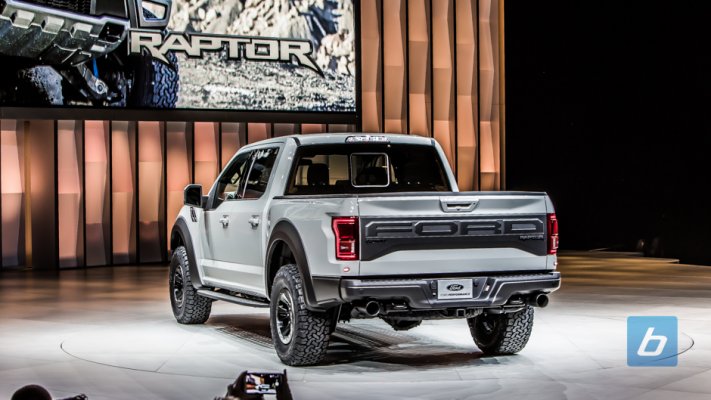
x=225 y=221
x=254 y=221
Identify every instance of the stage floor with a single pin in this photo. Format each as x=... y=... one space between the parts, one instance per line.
x=109 y=333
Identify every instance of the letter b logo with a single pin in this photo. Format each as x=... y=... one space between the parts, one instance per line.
x=651 y=337
x=652 y=341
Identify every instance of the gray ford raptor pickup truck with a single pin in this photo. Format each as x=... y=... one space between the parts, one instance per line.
x=326 y=228
x=74 y=52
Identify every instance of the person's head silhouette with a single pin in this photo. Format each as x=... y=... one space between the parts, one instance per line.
x=31 y=392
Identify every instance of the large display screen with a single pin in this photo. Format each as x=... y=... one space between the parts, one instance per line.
x=242 y=55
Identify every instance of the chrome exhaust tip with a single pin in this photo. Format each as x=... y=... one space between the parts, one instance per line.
x=372 y=308
x=540 y=300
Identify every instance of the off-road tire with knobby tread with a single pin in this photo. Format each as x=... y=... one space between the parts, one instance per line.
x=155 y=84
x=311 y=330
x=402 y=325
x=194 y=309
x=501 y=334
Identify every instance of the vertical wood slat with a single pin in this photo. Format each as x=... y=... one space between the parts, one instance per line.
x=40 y=201
x=258 y=131
x=123 y=187
x=320 y=128
x=443 y=74
x=284 y=129
x=206 y=152
x=12 y=190
x=394 y=66
x=419 y=67
x=70 y=196
x=371 y=65
x=467 y=95
x=340 y=128
x=489 y=107
x=151 y=203
x=179 y=159
x=234 y=136
x=96 y=173
x=501 y=73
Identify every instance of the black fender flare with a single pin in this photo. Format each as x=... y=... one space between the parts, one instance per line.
x=328 y=288
x=181 y=231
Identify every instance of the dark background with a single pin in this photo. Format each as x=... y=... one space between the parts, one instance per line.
x=608 y=111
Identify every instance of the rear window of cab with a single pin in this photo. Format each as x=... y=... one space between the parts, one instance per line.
x=366 y=168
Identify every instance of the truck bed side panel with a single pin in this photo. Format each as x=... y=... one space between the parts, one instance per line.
x=312 y=219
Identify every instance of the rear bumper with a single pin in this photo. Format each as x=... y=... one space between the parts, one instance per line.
x=54 y=36
x=421 y=294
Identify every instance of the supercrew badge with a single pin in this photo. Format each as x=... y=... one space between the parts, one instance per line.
x=238 y=47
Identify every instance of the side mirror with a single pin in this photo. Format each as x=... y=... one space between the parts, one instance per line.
x=192 y=196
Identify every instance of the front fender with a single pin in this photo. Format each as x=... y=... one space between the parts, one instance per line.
x=181 y=234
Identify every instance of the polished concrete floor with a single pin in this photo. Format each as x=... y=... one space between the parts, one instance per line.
x=109 y=333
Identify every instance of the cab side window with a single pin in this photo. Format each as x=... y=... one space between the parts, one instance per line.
x=262 y=166
x=231 y=183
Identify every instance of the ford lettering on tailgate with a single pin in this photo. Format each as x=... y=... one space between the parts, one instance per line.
x=384 y=236
x=400 y=229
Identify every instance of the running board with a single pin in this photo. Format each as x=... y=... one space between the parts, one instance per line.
x=232 y=299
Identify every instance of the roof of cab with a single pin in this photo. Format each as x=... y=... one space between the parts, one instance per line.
x=336 y=138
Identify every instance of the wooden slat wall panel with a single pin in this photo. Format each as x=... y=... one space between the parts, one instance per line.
x=40 y=159
x=467 y=95
x=258 y=131
x=420 y=67
x=340 y=128
x=234 y=136
x=40 y=202
x=207 y=153
x=70 y=196
x=96 y=176
x=285 y=129
x=372 y=70
x=12 y=188
x=179 y=161
x=465 y=72
x=123 y=192
x=315 y=128
x=394 y=65
x=489 y=107
x=443 y=73
x=501 y=101
x=151 y=203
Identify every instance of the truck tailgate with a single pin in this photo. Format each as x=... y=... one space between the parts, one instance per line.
x=453 y=233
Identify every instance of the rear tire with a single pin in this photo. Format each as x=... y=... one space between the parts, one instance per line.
x=500 y=334
x=300 y=336
x=188 y=306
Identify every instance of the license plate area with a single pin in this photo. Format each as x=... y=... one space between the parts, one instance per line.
x=455 y=289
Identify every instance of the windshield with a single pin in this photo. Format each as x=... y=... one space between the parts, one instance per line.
x=369 y=168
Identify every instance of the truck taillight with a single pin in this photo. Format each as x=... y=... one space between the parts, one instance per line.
x=346 y=230
x=552 y=234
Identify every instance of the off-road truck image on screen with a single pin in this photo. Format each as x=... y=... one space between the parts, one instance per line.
x=73 y=52
x=324 y=228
